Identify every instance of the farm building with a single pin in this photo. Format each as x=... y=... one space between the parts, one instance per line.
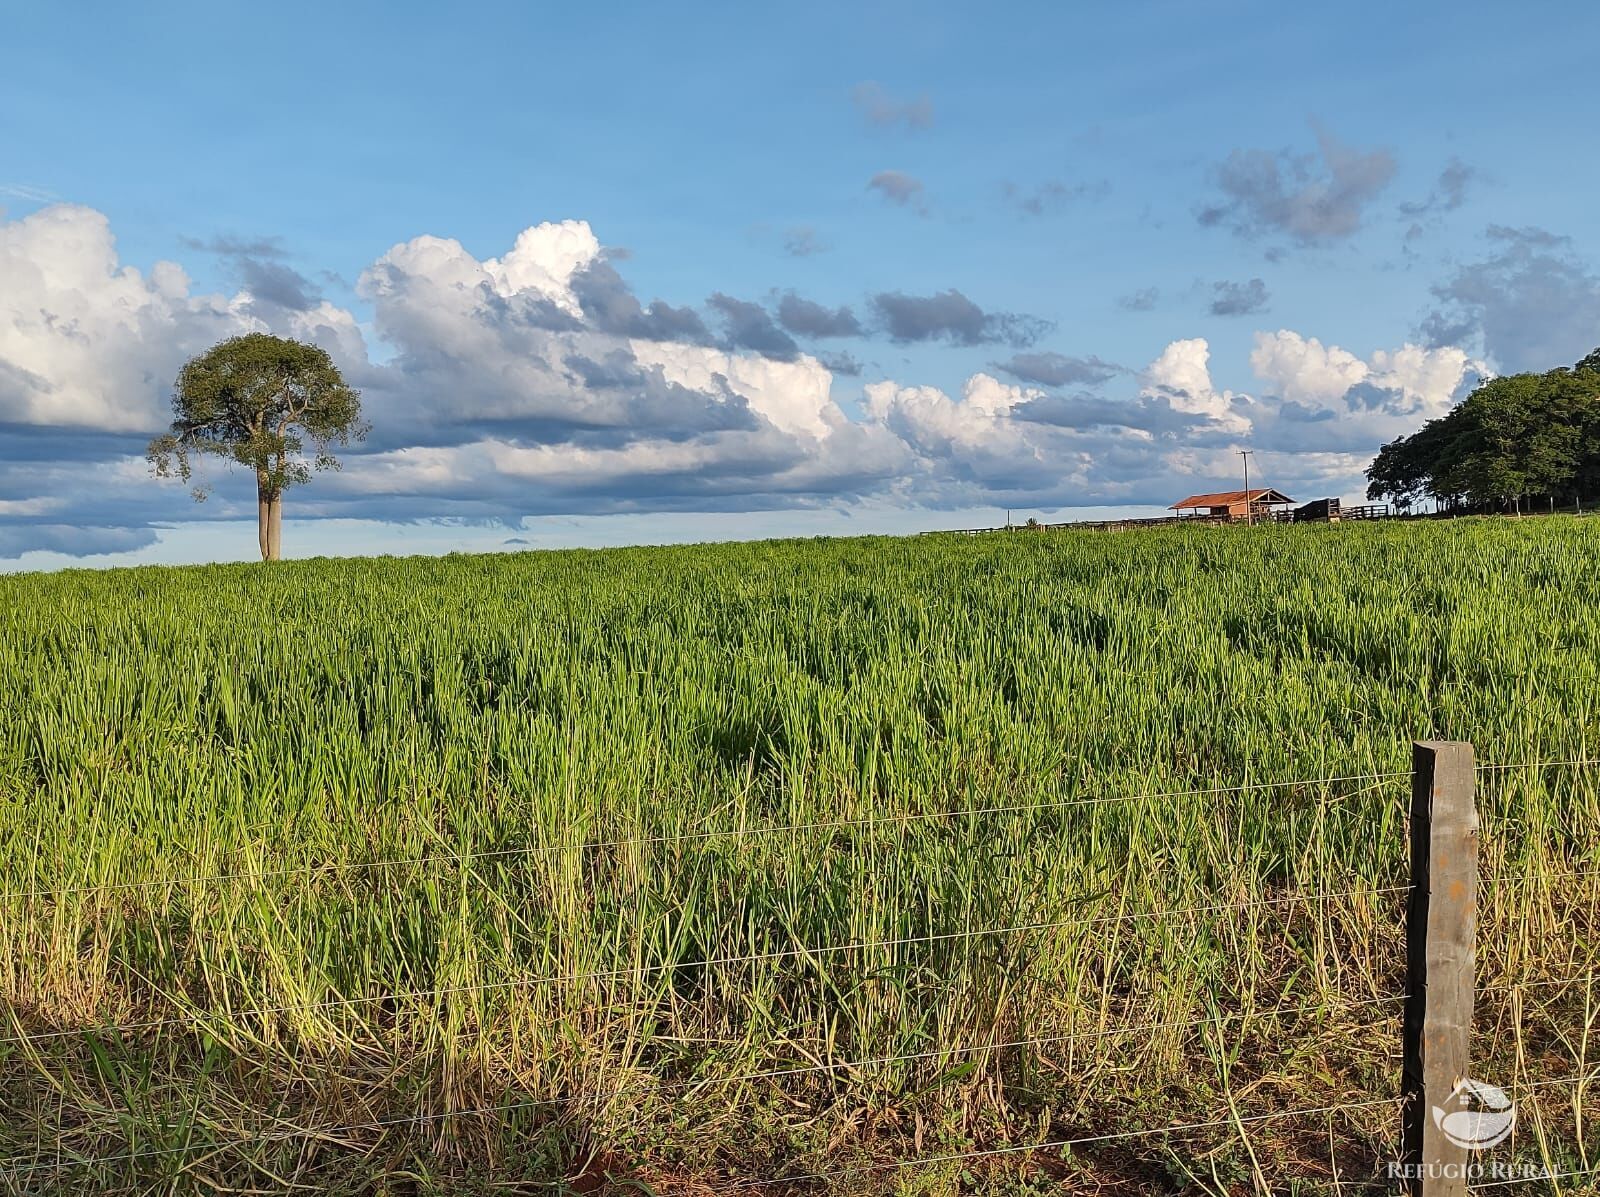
x=1234 y=505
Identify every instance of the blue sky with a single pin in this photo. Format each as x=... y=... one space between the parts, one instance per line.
x=1306 y=190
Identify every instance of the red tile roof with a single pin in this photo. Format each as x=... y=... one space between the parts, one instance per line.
x=1228 y=498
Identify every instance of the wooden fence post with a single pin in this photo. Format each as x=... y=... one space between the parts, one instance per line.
x=1441 y=930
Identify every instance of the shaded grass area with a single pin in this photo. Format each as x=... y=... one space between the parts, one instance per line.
x=199 y=766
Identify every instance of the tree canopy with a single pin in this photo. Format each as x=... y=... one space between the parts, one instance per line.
x=260 y=401
x=1514 y=437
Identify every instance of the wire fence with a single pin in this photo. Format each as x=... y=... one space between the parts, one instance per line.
x=643 y=970
x=1058 y=1145
x=885 y=819
x=207 y=1021
x=1050 y=1146
x=1540 y=1178
x=737 y=831
x=777 y=1074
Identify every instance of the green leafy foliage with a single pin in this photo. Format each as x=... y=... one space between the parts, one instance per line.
x=258 y=400
x=1521 y=435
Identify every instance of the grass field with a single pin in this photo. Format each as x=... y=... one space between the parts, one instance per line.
x=313 y=836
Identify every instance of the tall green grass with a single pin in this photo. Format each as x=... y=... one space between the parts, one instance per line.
x=192 y=760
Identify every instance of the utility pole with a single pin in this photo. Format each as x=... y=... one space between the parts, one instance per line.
x=1249 y=507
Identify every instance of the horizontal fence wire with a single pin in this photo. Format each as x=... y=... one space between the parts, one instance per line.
x=909 y=817
x=1067 y=1144
x=1086 y=1140
x=1563 y=875
x=710 y=962
x=1545 y=1178
x=341 y=867
x=1575 y=1078
x=326 y=1132
x=1056 y=1144
x=1548 y=1176
x=1576 y=763
x=1549 y=982
x=421 y=1119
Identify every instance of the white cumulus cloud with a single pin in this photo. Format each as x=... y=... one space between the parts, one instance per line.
x=1326 y=397
x=86 y=341
x=535 y=382
x=544 y=259
x=1422 y=382
x=1182 y=376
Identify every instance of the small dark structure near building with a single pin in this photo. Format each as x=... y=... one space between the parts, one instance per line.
x=1254 y=504
x=1318 y=511
x=1331 y=511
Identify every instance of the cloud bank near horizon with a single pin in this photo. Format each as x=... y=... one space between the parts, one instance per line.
x=538 y=383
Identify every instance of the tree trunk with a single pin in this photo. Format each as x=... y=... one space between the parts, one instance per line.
x=263 y=517
x=275 y=527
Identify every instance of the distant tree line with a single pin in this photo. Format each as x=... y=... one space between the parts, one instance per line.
x=1520 y=438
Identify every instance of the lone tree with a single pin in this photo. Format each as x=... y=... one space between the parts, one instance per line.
x=258 y=400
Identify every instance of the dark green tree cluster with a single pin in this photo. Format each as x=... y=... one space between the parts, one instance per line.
x=1520 y=437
